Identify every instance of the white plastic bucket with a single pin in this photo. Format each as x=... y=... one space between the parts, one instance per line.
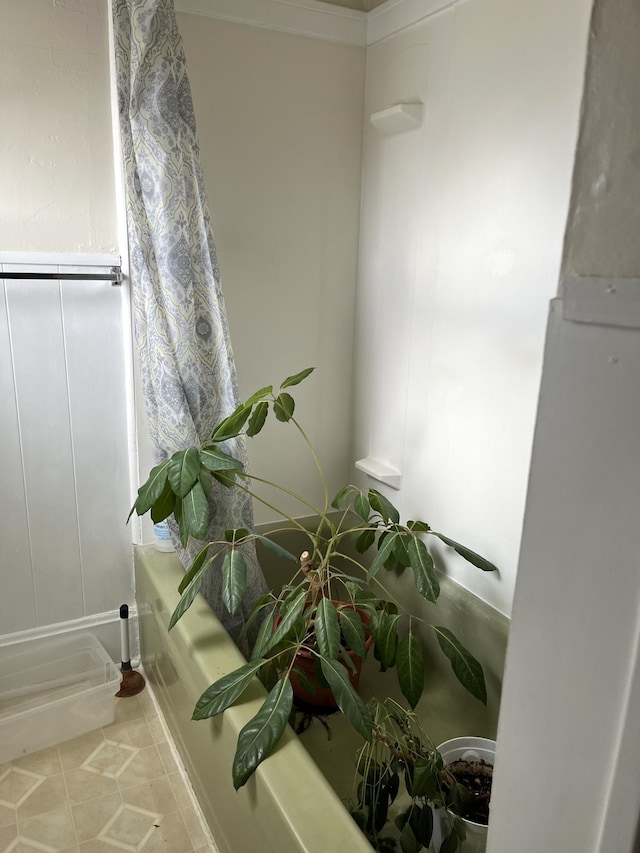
x=464 y=749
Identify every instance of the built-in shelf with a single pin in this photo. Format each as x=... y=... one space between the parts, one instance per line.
x=397 y=118
x=381 y=472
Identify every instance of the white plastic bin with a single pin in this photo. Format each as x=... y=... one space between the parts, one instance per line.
x=52 y=690
x=465 y=749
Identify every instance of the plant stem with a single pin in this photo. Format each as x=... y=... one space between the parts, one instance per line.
x=285 y=491
x=323 y=479
x=266 y=503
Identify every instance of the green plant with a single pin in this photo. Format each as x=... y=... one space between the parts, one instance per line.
x=401 y=768
x=303 y=615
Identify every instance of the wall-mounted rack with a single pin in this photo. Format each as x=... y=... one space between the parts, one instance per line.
x=114 y=276
x=380 y=471
x=397 y=118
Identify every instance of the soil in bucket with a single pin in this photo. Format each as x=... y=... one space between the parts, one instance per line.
x=476 y=776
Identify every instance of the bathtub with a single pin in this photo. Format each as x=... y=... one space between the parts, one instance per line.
x=287 y=805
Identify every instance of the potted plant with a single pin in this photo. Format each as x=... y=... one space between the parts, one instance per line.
x=410 y=794
x=332 y=603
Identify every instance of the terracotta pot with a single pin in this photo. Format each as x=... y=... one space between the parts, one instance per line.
x=323 y=696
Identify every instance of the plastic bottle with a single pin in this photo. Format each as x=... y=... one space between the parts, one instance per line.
x=163 y=537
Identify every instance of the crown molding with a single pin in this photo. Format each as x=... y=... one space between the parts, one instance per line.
x=302 y=17
x=396 y=15
x=320 y=20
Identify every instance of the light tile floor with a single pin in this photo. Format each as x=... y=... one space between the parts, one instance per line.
x=121 y=787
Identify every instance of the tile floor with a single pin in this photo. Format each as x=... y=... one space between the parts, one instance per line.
x=117 y=788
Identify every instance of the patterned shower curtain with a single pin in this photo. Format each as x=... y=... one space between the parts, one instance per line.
x=182 y=335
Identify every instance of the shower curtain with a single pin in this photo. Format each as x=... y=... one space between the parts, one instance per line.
x=182 y=335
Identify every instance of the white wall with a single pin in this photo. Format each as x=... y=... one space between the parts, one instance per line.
x=461 y=241
x=280 y=127
x=56 y=158
x=569 y=732
x=66 y=552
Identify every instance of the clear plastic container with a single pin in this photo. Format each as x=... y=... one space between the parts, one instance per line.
x=54 y=689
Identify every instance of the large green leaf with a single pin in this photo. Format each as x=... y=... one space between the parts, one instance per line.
x=341 y=498
x=232 y=425
x=362 y=506
x=292 y=616
x=177 y=514
x=365 y=540
x=297 y=378
x=163 y=507
x=457 y=834
x=258 y=418
x=467 y=669
x=256 y=611
x=385 y=550
x=206 y=480
x=226 y=478
x=400 y=551
x=277 y=549
x=150 y=491
x=234 y=580
x=327 y=629
x=195 y=568
x=215 y=459
x=224 y=692
x=346 y=697
x=408 y=840
x=451 y=844
x=195 y=512
x=383 y=506
x=385 y=637
x=424 y=571
x=258 y=395
x=425 y=779
x=236 y=534
x=264 y=638
x=418 y=526
x=284 y=407
x=183 y=470
x=259 y=737
x=422 y=824
x=190 y=592
x=410 y=669
x=468 y=554
x=291 y=591
x=353 y=630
